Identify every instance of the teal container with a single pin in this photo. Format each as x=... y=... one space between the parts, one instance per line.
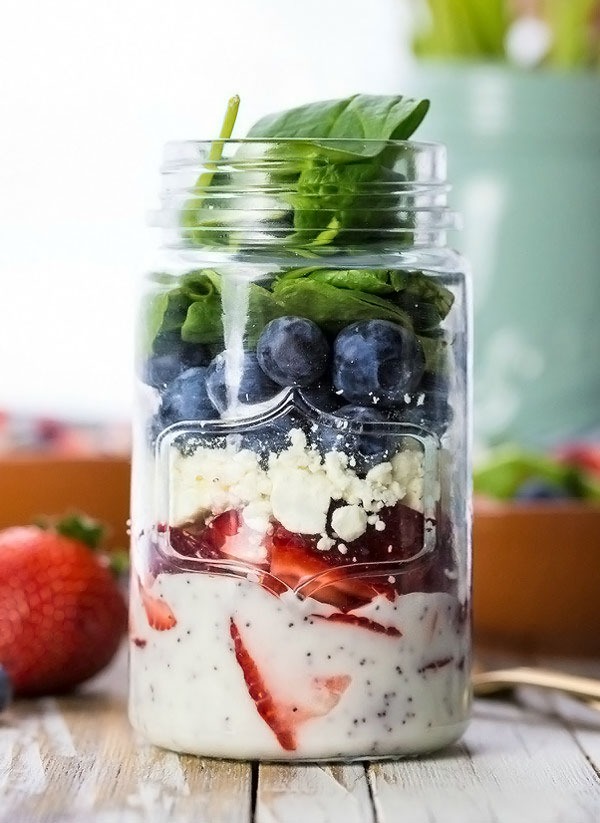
x=524 y=152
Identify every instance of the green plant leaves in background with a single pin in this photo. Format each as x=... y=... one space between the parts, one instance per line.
x=477 y=30
x=505 y=471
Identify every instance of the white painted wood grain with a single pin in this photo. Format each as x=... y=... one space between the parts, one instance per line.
x=313 y=794
x=76 y=759
x=515 y=765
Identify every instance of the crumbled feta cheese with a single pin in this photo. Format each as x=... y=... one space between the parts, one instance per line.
x=257 y=515
x=296 y=488
x=325 y=543
x=300 y=500
x=349 y=522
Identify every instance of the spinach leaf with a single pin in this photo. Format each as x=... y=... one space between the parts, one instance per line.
x=331 y=298
x=203 y=321
x=366 y=280
x=349 y=187
x=197 y=310
x=330 y=189
x=423 y=288
x=359 y=117
x=416 y=292
x=199 y=223
x=332 y=308
x=355 y=195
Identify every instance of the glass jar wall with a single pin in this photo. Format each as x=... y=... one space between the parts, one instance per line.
x=300 y=523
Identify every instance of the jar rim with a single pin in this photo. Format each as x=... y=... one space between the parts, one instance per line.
x=304 y=191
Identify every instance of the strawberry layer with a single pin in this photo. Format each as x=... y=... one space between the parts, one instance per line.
x=244 y=674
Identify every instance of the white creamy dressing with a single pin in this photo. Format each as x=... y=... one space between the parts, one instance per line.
x=188 y=691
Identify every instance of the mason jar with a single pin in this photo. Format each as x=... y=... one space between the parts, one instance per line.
x=301 y=495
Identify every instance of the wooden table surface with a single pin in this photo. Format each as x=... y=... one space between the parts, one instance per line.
x=535 y=760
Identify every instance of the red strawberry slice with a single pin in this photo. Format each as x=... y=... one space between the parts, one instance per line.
x=295 y=565
x=226 y=525
x=434 y=665
x=265 y=705
x=361 y=622
x=325 y=694
x=225 y=537
x=158 y=612
x=284 y=718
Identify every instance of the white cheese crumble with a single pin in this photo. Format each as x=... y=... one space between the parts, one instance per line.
x=349 y=522
x=297 y=488
x=325 y=543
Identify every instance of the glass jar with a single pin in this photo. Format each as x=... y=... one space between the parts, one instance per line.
x=301 y=495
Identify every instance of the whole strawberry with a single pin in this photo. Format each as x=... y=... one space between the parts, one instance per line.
x=62 y=614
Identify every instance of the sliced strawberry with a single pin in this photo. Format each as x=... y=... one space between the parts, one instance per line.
x=265 y=705
x=158 y=612
x=361 y=622
x=226 y=525
x=283 y=718
x=325 y=694
x=194 y=543
x=295 y=565
x=435 y=664
x=225 y=537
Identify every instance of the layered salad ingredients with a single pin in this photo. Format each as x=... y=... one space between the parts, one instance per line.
x=297 y=585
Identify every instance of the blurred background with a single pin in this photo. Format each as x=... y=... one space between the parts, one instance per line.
x=91 y=92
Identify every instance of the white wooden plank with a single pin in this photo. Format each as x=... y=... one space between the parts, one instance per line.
x=515 y=766
x=313 y=794
x=582 y=721
x=77 y=759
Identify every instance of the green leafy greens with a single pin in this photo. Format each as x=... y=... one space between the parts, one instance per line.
x=329 y=187
x=332 y=298
x=353 y=119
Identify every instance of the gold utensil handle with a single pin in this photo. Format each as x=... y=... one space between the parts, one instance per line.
x=584 y=688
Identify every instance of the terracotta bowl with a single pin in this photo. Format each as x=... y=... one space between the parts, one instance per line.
x=35 y=485
x=537 y=577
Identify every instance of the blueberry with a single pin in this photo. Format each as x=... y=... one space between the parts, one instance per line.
x=293 y=351
x=164 y=366
x=167 y=342
x=271 y=438
x=160 y=369
x=322 y=396
x=186 y=398
x=255 y=386
x=368 y=449
x=538 y=489
x=5 y=689
x=376 y=361
x=428 y=407
x=190 y=353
